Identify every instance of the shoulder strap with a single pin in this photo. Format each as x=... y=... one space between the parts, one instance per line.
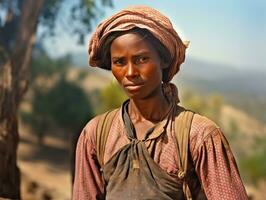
x=102 y=131
x=182 y=129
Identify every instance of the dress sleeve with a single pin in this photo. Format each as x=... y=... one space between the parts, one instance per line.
x=88 y=184
x=216 y=167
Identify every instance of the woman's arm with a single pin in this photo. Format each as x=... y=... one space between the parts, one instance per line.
x=216 y=166
x=88 y=184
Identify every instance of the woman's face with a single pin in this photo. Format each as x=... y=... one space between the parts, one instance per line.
x=136 y=65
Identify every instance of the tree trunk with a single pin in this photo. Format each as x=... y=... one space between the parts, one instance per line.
x=15 y=73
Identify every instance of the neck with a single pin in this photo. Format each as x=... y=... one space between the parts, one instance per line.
x=153 y=109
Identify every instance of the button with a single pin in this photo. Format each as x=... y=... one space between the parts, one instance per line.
x=181 y=174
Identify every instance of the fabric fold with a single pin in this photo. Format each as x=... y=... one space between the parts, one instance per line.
x=145 y=18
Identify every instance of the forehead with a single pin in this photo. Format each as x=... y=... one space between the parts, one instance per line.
x=132 y=42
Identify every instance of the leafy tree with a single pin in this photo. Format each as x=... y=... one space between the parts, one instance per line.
x=43 y=66
x=65 y=106
x=253 y=165
x=44 y=80
x=57 y=103
x=19 y=20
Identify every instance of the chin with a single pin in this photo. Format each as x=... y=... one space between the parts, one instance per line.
x=135 y=95
x=139 y=96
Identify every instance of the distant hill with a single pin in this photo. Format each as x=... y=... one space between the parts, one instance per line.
x=213 y=77
x=245 y=89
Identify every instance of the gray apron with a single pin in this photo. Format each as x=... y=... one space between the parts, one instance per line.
x=132 y=174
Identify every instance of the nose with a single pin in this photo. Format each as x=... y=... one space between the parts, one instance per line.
x=131 y=70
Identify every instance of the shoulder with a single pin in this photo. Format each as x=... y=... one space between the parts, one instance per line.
x=202 y=126
x=201 y=129
x=90 y=129
x=88 y=133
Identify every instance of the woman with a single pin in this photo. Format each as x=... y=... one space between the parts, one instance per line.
x=150 y=148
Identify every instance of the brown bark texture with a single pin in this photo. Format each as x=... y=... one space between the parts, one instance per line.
x=14 y=77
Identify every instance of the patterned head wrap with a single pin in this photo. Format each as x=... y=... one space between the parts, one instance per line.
x=145 y=18
x=142 y=17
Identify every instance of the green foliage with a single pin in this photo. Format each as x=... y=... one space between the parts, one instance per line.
x=112 y=96
x=233 y=130
x=194 y=102
x=79 y=13
x=253 y=167
x=49 y=14
x=43 y=65
x=82 y=75
x=74 y=17
x=69 y=105
x=39 y=118
x=65 y=106
x=56 y=102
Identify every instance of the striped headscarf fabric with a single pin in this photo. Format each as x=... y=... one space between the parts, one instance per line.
x=139 y=17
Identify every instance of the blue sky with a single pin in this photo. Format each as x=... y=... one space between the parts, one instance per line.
x=231 y=32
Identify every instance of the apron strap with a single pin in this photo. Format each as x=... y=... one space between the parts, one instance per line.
x=182 y=129
x=102 y=131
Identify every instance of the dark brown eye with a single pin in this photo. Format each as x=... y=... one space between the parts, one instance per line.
x=142 y=59
x=119 y=62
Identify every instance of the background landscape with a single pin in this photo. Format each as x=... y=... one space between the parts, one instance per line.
x=233 y=98
x=223 y=77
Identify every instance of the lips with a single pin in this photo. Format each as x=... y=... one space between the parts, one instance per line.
x=132 y=86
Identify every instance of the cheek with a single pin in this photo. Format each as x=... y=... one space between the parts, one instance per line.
x=155 y=72
x=117 y=74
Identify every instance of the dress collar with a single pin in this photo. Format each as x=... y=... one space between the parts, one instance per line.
x=152 y=132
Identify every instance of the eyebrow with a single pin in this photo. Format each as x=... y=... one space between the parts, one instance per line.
x=116 y=58
x=138 y=53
